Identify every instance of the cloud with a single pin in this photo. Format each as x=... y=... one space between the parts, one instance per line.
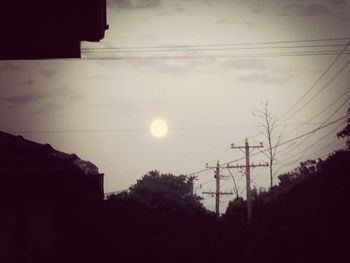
x=250 y=24
x=7 y=66
x=66 y=94
x=262 y=78
x=255 y=10
x=136 y=4
x=315 y=9
x=338 y=2
x=74 y=97
x=200 y=65
x=221 y=21
x=46 y=108
x=306 y=9
x=164 y=66
x=19 y=100
x=244 y=64
x=27 y=82
x=113 y=106
x=47 y=73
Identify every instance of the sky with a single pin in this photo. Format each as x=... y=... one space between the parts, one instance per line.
x=204 y=67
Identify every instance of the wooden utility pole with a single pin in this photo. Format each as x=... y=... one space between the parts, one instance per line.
x=217 y=195
x=247 y=167
x=217 y=192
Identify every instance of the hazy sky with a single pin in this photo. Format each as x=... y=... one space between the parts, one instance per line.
x=101 y=109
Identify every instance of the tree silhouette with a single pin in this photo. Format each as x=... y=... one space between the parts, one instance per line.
x=166 y=193
x=345 y=133
x=236 y=212
x=269 y=126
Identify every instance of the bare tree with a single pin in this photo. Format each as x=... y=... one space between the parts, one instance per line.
x=269 y=128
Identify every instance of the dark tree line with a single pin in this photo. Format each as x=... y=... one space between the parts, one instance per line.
x=302 y=219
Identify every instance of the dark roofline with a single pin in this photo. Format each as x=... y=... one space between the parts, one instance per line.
x=9 y=141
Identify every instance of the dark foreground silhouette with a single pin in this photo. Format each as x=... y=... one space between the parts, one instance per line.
x=43 y=29
x=303 y=219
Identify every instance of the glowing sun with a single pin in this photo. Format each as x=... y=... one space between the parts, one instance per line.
x=159 y=128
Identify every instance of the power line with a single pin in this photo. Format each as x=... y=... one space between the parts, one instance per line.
x=219 y=56
x=318 y=79
x=127 y=50
x=238 y=44
x=305 y=150
x=319 y=113
x=234 y=183
x=199 y=171
x=214 y=127
x=293 y=139
x=247 y=167
x=285 y=164
x=322 y=89
x=329 y=117
x=280 y=144
x=130 y=129
x=300 y=136
x=136 y=129
x=312 y=131
x=217 y=192
x=310 y=146
x=208 y=182
x=307 y=156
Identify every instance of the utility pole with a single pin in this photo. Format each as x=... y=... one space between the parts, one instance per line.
x=247 y=167
x=217 y=192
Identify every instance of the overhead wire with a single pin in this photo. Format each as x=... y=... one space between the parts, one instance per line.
x=129 y=129
x=290 y=148
x=313 y=144
x=217 y=56
x=320 y=90
x=318 y=79
x=319 y=113
x=332 y=143
x=239 y=44
x=282 y=143
x=317 y=44
x=293 y=163
x=133 y=129
x=292 y=139
x=312 y=131
x=327 y=52
x=234 y=182
x=167 y=49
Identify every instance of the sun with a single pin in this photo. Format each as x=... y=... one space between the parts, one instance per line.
x=159 y=128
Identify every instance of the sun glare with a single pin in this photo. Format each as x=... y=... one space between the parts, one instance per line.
x=159 y=128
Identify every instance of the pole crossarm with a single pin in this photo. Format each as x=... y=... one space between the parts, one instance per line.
x=214 y=167
x=217 y=192
x=250 y=146
x=237 y=166
x=259 y=165
x=247 y=167
x=220 y=193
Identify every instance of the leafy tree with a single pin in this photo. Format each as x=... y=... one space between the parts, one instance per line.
x=166 y=193
x=236 y=211
x=346 y=131
x=305 y=169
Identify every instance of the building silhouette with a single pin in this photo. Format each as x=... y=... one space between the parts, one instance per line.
x=45 y=197
x=41 y=29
